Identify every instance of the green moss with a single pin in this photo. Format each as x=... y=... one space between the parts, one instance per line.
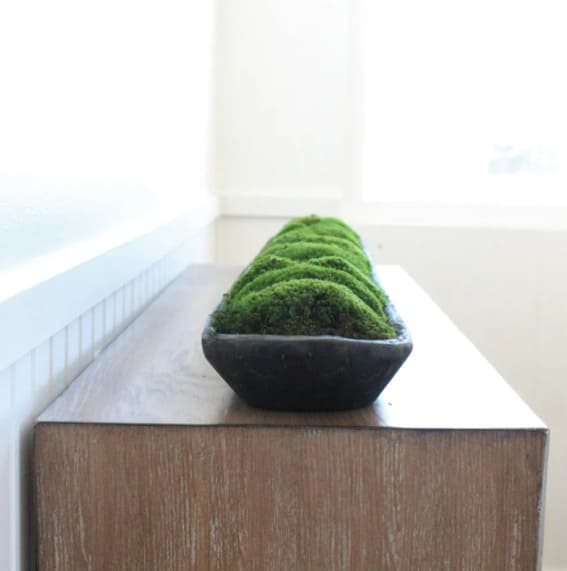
x=309 y=235
x=307 y=250
x=321 y=226
x=343 y=265
x=312 y=278
x=260 y=265
x=326 y=225
x=302 y=307
x=306 y=270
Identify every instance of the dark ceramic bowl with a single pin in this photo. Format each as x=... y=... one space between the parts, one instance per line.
x=307 y=373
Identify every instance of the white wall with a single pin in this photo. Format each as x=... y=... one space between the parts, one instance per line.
x=104 y=117
x=505 y=289
x=283 y=97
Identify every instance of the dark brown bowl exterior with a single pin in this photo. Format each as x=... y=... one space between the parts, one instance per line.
x=307 y=373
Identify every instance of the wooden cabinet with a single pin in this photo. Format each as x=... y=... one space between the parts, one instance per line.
x=148 y=461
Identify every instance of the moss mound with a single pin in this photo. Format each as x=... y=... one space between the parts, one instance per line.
x=305 y=270
x=304 y=307
x=307 y=250
x=322 y=227
x=330 y=225
x=259 y=266
x=309 y=235
x=312 y=278
x=343 y=265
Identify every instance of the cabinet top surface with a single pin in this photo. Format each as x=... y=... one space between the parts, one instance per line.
x=155 y=372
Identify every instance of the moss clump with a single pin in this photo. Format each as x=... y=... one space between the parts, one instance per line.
x=321 y=227
x=308 y=235
x=301 y=251
x=330 y=225
x=343 y=265
x=312 y=278
x=259 y=266
x=305 y=270
x=304 y=307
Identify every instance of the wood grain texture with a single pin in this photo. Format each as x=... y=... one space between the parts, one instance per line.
x=281 y=498
x=148 y=461
x=155 y=372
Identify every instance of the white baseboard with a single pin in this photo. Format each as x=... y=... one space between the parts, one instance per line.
x=372 y=212
x=282 y=206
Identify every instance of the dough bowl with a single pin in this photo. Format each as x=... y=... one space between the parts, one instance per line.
x=307 y=373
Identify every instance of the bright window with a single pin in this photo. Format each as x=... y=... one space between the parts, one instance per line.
x=465 y=102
